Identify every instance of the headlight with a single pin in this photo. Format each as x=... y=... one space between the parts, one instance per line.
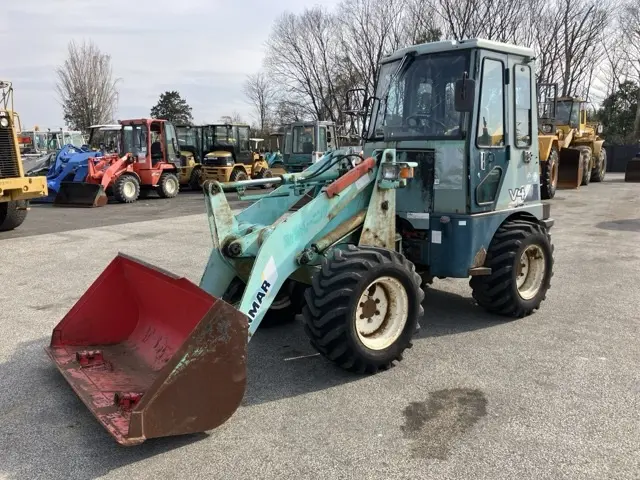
x=546 y=128
x=395 y=171
x=229 y=161
x=4 y=122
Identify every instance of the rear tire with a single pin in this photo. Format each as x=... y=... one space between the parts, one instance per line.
x=585 y=156
x=363 y=335
x=598 y=173
x=12 y=214
x=126 y=188
x=521 y=260
x=549 y=175
x=168 y=185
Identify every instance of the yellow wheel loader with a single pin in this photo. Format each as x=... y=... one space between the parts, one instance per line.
x=230 y=157
x=16 y=189
x=571 y=151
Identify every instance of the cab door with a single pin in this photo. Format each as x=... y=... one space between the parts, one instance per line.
x=243 y=154
x=523 y=180
x=488 y=146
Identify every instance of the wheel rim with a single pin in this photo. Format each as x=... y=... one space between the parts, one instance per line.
x=530 y=272
x=129 y=189
x=381 y=313
x=170 y=186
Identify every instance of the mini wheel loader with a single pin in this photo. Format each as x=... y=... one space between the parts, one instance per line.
x=16 y=188
x=149 y=162
x=154 y=355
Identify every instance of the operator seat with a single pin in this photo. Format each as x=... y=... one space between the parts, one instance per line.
x=156 y=152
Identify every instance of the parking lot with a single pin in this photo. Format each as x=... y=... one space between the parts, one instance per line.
x=554 y=395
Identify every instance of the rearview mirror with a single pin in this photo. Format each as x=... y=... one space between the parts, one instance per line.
x=464 y=94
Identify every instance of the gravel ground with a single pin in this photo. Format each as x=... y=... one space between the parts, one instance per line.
x=551 y=396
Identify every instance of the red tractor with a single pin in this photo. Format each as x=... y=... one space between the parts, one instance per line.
x=150 y=162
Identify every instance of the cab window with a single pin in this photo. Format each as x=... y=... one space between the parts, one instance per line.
x=522 y=85
x=243 y=136
x=490 y=131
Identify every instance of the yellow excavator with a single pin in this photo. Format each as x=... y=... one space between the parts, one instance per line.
x=16 y=189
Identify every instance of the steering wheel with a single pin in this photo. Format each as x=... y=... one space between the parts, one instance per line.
x=416 y=122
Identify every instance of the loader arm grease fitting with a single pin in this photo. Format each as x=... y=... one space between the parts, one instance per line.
x=153 y=355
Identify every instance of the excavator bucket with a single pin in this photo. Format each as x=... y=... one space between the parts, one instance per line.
x=152 y=355
x=632 y=171
x=570 y=169
x=80 y=194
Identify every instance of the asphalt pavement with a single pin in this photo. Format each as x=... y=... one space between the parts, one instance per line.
x=46 y=218
x=551 y=396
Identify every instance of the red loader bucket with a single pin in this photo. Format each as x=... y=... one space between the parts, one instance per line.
x=152 y=355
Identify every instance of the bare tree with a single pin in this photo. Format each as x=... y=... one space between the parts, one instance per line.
x=261 y=94
x=303 y=53
x=235 y=117
x=86 y=86
x=629 y=22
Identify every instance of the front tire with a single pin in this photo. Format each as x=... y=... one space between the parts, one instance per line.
x=521 y=260
x=12 y=214
x=126 y=188
x=266 y=173
x=363 y=308
x=284 y=308
x=168 y=185
x=195 y=182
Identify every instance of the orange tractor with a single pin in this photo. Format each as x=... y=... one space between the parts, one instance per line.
x=150 y=163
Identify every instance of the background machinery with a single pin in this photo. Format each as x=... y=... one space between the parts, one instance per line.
x=305 y=143
x=190 y=142
x=632 y=170
x=228 y=155
x=153 y=355
x=149 y=162
x=16 y=189
x=571 y=151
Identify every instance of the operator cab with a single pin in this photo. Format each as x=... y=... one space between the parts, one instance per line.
x=151 y=139
x=463 y=111
x=226 y=144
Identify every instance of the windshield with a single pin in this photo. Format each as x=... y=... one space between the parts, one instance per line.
x=135 y=139
x=420 y=102
x=109 y=139
x=187 y=136
x=217 y=135
x=73 y=138
x=567 y=113
x=303 y=139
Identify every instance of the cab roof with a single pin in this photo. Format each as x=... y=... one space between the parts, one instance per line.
x=452 y=45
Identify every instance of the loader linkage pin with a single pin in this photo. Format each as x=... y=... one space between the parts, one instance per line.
x=126 y=401
x=90 y=358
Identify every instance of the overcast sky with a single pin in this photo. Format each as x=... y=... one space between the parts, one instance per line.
x=202 y=48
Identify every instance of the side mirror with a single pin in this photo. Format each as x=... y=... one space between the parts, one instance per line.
x=464 y=94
